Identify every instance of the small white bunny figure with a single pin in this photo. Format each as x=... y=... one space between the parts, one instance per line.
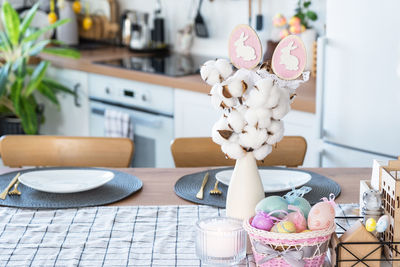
x=291 y=62
x=246 y=52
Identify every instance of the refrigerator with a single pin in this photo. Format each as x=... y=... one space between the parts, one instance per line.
x=358 y=88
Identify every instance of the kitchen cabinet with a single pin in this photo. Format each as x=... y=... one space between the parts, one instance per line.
x=194 y=117
x=72 y=118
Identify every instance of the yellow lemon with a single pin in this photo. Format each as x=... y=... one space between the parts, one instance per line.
x=87 y=23
x=52 y=17
x=77 y=7
x=370 y=225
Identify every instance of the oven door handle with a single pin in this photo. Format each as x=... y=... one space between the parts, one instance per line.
x=153 y=123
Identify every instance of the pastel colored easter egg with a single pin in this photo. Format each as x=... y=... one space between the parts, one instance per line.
x=279 y=20
x=302 y=204
x=284 y=227
x=294 y=21
x=262 y=221
x=306 y=231
x=272 y=203
x=370 y=225
x=321 y=216
x=295 y=29
x=245 y=50
x=298 y=220
x=382 y=224
x=289 y=58
x=284 y=33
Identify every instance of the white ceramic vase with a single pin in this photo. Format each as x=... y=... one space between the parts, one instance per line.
x=245 y=189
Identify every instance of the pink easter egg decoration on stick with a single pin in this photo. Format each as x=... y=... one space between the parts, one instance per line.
x=289 y=58
x=245 y=50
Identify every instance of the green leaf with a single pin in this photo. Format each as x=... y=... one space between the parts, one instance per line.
x=36 y=78
x=4 y=78
x=307 y=4
x=37 y=48
x=47 y=92
x=5 y=41
x=10 y=22
x=28 y=19
x=16 y=89
x=57 y=86
x=300 y=16
x=64 y=52
x=29 y=118
x=36 y=34
x=312 y=15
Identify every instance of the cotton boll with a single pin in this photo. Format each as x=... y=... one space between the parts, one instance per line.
x=235 y=86
x=224 y=67
x=264 y=117
x=251 y=117
x=281 y=109
x=262 y=152
x=275 y=132
x=244 y=75
x=209 y=63
x=221 y=124
x=218 y=100
x=265 y=86
x=273 y=97
x=252 y=137
x=233 y=150
x=213 y=77
x=255 y=99
x=236 y=121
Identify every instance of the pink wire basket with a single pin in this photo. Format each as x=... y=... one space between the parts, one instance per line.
x=284 y=249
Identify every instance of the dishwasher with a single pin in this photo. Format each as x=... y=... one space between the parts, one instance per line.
x=150 y=108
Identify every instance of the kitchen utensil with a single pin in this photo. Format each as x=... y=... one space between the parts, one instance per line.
x=259 y=17
x=216 y=190
x=199 y=24
x=66 y=180
x=15 y=191
x=250 y=11
x=68 y=33
x=3 y=195
x=200 y=194
x=273 y=180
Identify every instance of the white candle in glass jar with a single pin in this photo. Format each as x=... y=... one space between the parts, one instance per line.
x=220 y=240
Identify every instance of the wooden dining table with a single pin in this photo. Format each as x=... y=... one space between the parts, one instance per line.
x=158 y=184
x=152 y=227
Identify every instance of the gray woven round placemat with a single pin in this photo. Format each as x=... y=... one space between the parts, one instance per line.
x=188 y=186
x=120 y=187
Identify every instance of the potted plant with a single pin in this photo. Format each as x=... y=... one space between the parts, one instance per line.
x=19 y=81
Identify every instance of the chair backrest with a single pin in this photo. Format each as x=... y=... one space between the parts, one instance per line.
x=42 y=150
x=203 y=152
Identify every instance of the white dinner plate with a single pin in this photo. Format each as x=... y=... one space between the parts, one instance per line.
x=272 y=180
x=65 y=181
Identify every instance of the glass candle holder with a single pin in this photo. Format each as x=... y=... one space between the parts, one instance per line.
x=220 y=241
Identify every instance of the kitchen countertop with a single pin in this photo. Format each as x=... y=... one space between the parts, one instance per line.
x=305 y=100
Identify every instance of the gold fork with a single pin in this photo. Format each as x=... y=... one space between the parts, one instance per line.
x=216 y=190
x=200 y=194
x=3 y=195
x=15 y=191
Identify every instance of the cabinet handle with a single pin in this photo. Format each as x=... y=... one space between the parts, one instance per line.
x=76 y=96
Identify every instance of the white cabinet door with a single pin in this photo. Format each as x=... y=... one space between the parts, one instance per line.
x=194 y=115
x=304 y=124
x=72 y=118
x=338 y=156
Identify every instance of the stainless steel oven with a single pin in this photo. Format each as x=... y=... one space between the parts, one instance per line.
x=150 y=108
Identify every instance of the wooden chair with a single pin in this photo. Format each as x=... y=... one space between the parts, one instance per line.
x=41 y=150
x=203 y=152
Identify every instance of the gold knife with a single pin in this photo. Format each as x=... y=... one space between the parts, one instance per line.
x=201 y=191
x=3 y=195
